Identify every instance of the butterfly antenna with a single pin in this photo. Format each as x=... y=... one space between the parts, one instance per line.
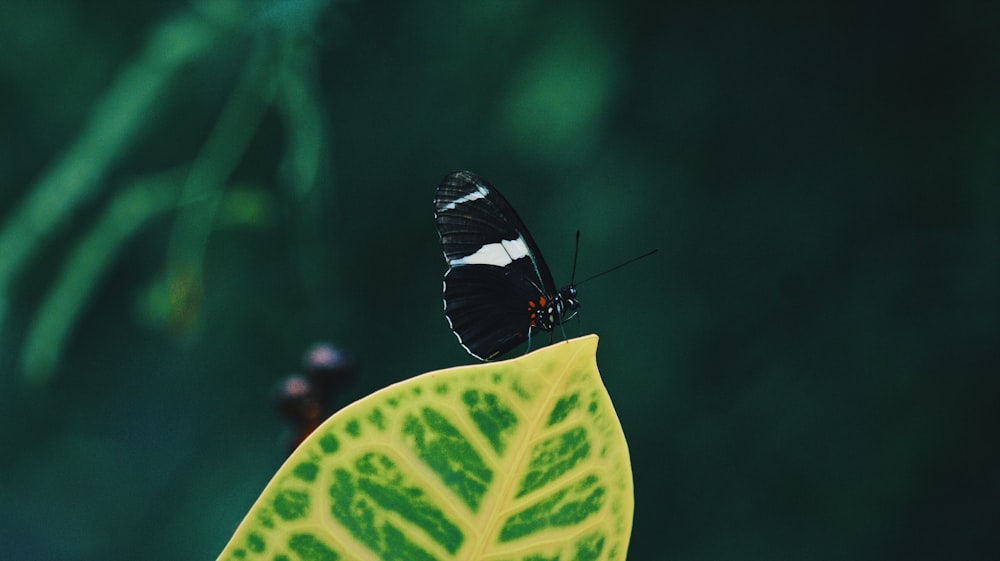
x=616 y=267
x=576 y=253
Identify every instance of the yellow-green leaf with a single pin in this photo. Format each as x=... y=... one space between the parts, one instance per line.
x=517 y=460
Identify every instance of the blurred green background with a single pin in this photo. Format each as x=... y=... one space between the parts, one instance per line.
x=191 y=193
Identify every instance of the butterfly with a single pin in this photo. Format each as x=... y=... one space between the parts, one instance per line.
x=498 y=291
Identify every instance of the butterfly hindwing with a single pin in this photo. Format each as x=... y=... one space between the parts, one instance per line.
x=486 y=310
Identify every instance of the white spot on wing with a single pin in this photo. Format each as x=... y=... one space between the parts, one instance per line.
x=479 y=193
x=496 y=254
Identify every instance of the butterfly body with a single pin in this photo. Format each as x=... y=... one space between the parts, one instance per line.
x=498 y=290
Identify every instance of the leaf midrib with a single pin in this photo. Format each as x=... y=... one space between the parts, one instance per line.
x=522 y=447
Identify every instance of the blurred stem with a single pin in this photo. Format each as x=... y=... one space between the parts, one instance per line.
x=302 y=111
x=304 y=168
x=205 y=184
x=115 y=122
x=127 y=213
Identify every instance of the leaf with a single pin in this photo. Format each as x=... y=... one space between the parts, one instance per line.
x=516 y=460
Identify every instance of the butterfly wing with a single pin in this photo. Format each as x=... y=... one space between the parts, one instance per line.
x=494 y=266
x=486 y=309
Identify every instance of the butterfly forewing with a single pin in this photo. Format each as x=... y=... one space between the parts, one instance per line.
x=478 y=226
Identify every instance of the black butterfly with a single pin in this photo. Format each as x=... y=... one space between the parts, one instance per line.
x=498 y=290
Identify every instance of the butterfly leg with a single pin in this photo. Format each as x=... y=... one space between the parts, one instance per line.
x=579 y=323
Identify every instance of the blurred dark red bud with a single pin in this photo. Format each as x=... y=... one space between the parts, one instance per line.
x=296 y=399
x=329 y=368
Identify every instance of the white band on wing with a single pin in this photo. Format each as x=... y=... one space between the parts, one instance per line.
x=495 y=254
x=479 y=193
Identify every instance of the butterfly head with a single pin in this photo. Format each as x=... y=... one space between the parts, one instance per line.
x=546 y=313
x=568 y=304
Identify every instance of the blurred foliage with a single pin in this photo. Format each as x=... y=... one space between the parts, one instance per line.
x=191 y=193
